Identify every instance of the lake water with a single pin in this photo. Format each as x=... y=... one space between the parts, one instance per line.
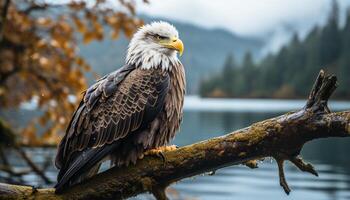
x=208 y=118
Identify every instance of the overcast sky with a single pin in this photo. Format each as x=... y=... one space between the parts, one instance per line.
x=274 y=18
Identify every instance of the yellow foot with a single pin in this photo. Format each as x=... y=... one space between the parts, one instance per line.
x=159 y=151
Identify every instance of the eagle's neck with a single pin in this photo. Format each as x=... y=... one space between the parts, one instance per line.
x=148 y=57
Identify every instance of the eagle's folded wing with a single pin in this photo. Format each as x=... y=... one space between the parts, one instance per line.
x=117 y=105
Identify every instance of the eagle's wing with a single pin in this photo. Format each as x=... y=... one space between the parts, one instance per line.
x=119 y=104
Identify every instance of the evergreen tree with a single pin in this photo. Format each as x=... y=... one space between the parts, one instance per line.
x=228 y=75
x=330 y=43
x=295 y=60
x=344 y=61
x=248 y=73
x=275 y=79
x=263 y=87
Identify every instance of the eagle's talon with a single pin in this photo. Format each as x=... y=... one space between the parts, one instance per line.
x=169 y=148
x=159 y=152
x=155 y=153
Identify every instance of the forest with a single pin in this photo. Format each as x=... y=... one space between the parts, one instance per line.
x=285 y=74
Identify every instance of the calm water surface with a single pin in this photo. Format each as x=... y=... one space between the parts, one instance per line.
x=211 y=118
x=330 y=157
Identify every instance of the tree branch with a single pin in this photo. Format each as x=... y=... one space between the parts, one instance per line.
x=32 y=165
x=281 y=137
x=34 y=6
x=3 y=16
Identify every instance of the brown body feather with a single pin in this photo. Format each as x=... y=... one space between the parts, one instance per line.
x=121 y=116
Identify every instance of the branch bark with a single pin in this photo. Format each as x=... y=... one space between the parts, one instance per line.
x=281 y=137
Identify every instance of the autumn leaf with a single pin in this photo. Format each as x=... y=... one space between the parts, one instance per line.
x=40 y=60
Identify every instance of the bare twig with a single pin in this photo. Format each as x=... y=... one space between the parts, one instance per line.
x=7 y=136
x=8 y=169
x=34 y=7
x=3 y=157
x=32 y=165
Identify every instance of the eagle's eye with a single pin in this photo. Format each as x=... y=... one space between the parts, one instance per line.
x=159 y=37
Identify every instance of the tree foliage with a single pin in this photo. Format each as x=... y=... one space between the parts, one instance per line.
x=286 y=73
x=39 y=57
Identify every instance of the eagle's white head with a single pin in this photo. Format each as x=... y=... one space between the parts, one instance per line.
x=155 y=45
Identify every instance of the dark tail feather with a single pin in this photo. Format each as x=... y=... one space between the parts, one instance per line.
x=82 y=167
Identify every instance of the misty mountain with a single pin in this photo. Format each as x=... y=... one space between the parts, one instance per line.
x=205 y=51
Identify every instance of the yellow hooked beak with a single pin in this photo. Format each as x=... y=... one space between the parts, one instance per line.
x=174 y=43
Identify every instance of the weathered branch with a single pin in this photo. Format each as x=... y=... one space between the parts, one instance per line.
x=281 y=138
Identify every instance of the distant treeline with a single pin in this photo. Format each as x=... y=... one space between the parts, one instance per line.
x=290 y=72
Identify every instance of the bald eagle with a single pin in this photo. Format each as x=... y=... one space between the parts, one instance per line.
x=129 y=111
